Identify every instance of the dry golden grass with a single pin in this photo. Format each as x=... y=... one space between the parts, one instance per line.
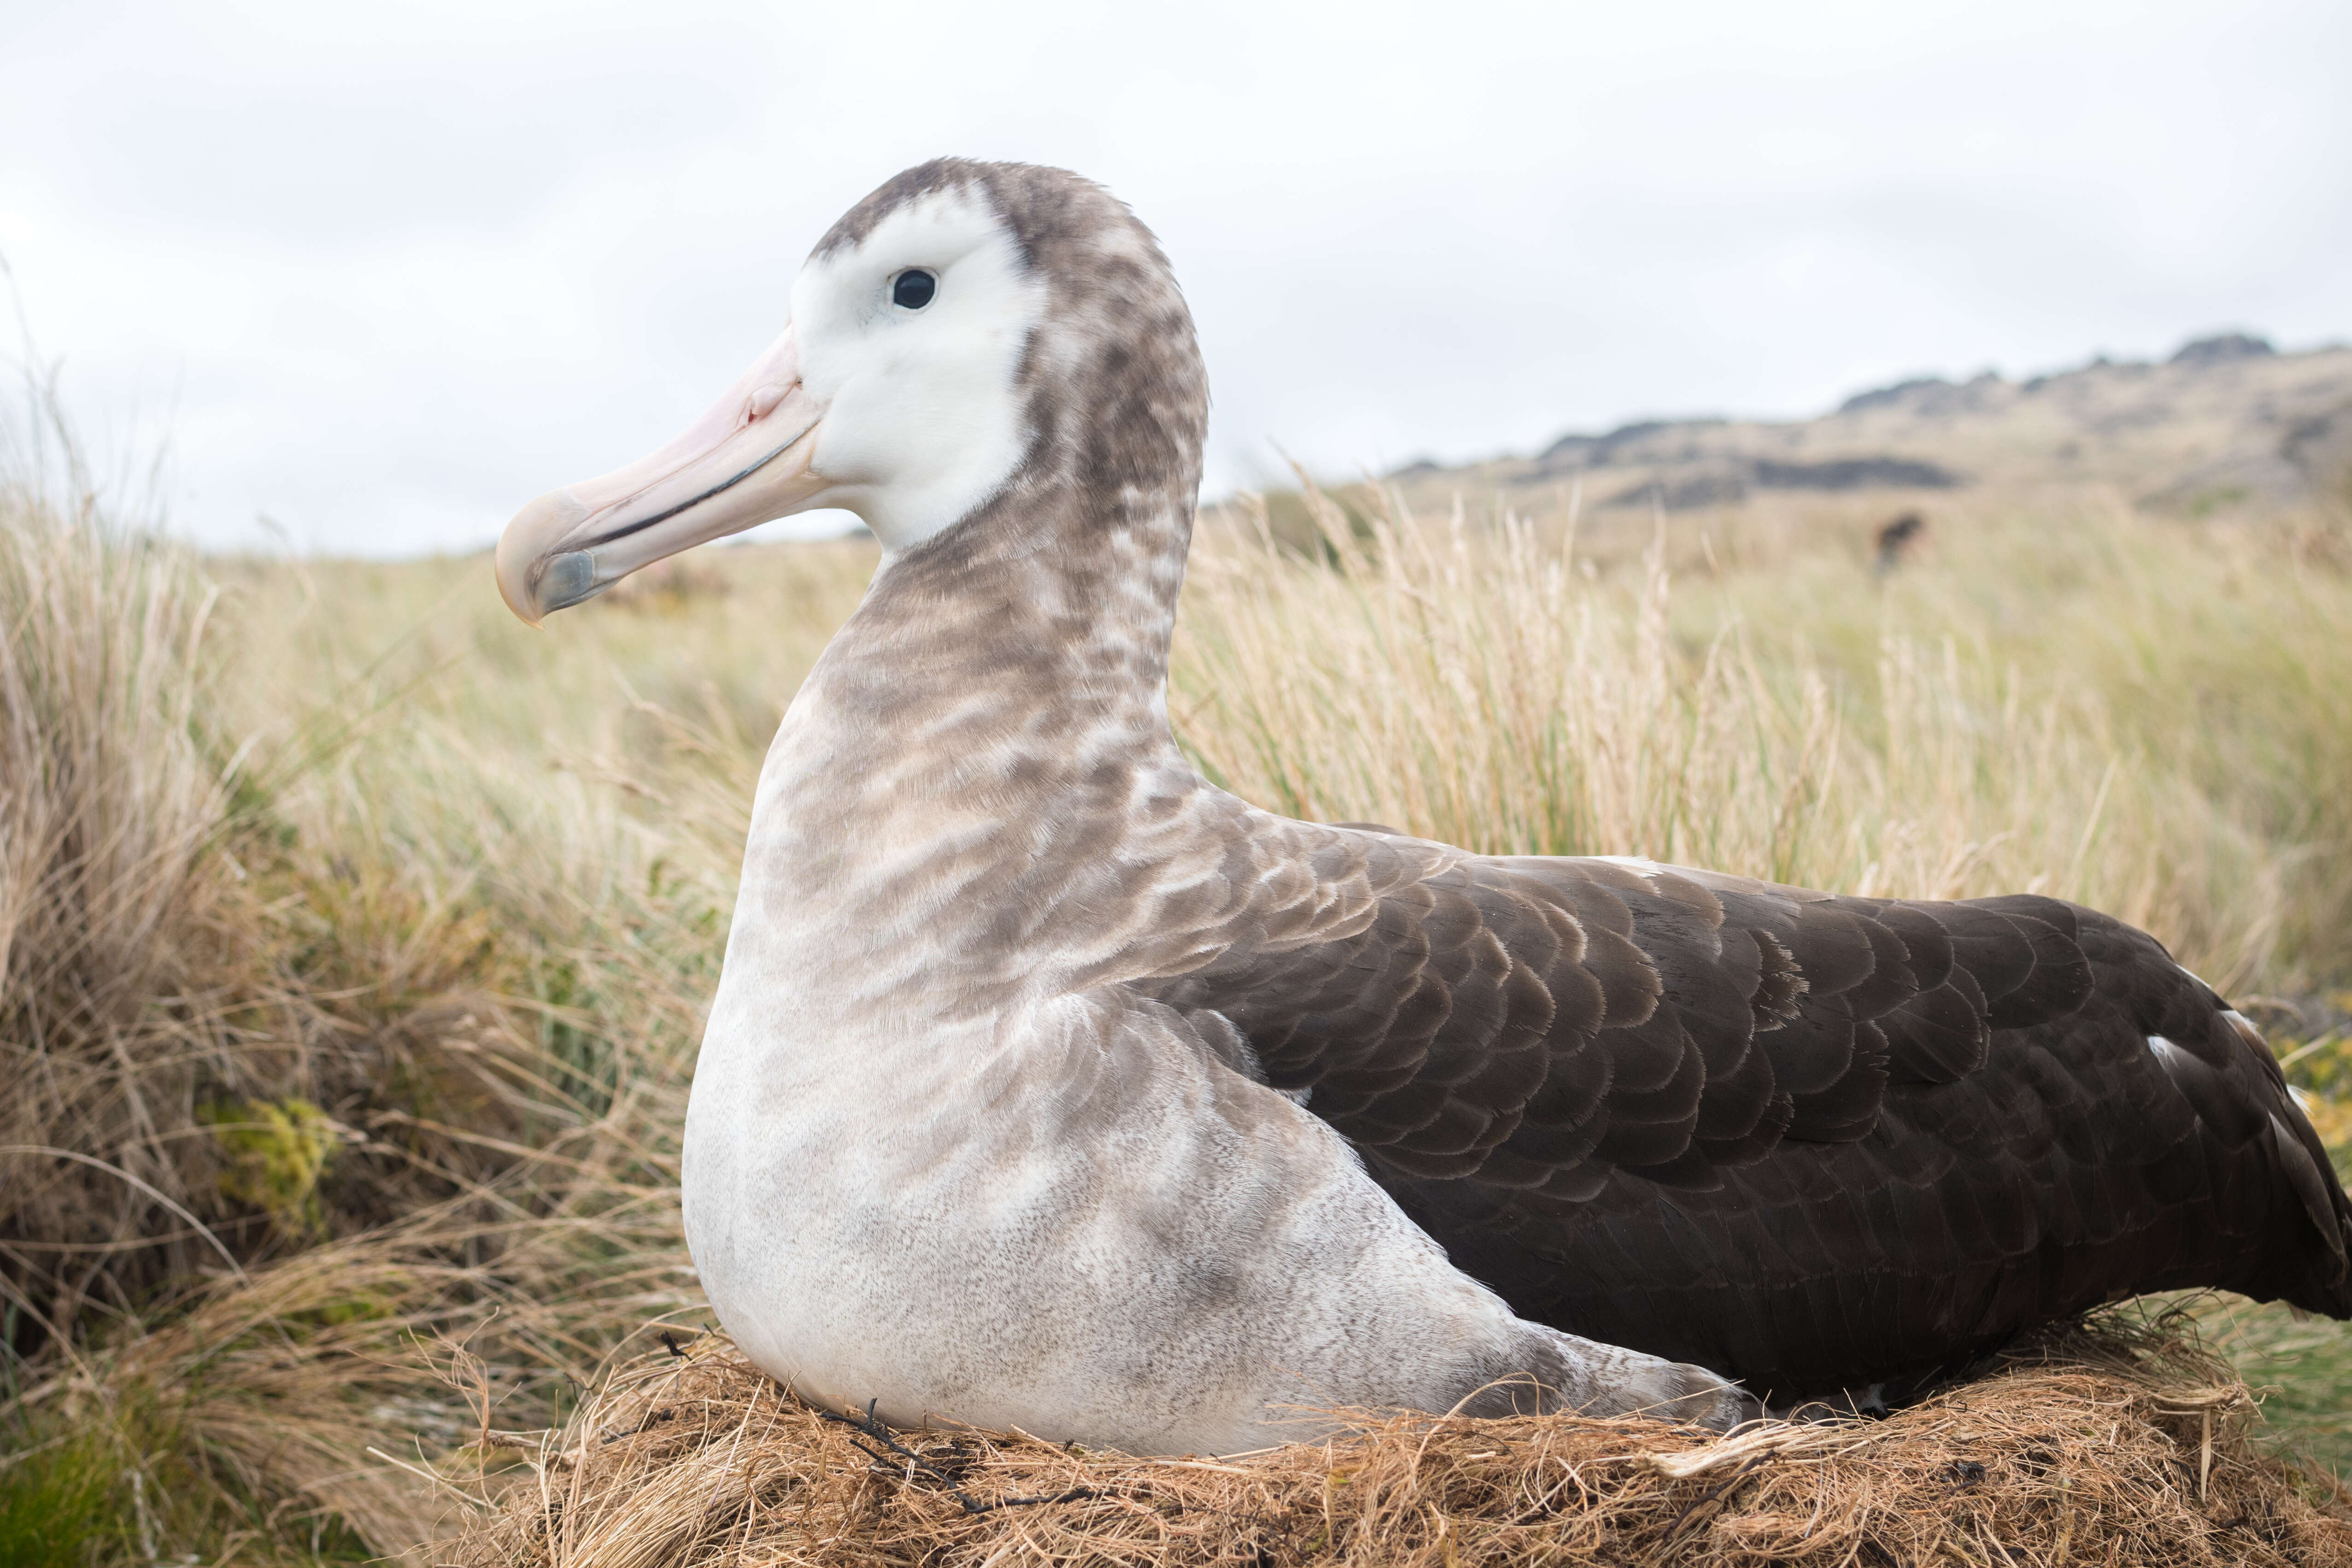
x=109 y=932
x=461 y=889
x=2120 y=1444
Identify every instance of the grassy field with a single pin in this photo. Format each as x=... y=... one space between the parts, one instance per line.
x=356 y=938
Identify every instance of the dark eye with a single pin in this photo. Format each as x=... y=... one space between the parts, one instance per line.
x=914 y=288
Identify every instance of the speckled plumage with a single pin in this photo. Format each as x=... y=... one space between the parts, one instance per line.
x=1049 y=1084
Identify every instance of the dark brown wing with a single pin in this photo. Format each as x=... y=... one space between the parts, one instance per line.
x=1813 y=1141
x=1542 y=1025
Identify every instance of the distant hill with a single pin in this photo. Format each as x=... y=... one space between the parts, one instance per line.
x=2227 y=423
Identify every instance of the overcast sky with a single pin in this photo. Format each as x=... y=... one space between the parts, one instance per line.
x=380 y=273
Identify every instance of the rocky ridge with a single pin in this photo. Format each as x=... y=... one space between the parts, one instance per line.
x=2227 y=423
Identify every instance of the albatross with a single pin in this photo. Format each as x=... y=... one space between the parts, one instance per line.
x=1048 y=1086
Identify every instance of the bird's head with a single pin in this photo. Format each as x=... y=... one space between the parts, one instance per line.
x=967 y=332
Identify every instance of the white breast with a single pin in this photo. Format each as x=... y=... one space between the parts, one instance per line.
x=1068 y=1222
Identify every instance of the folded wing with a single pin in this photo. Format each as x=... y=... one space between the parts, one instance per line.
x=1816 y=1141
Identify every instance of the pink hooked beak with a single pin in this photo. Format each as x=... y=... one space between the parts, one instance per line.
x=744 y=462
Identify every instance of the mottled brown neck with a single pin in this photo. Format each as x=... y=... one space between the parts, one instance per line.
x=1058 y=595
x=1048 y=613
x=963 y=776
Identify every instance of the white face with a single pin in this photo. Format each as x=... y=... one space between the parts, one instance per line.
x=923 y=419
x=893 y=400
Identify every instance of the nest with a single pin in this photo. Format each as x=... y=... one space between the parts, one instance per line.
x=2113 y=1443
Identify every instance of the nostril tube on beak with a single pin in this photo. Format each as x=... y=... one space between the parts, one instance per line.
x=764 y=400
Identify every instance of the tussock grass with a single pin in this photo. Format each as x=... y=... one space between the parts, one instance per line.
x=304 y=1076
x=370 y=933
x=111 y=931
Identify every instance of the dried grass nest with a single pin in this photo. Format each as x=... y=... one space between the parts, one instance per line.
x=2109 y=1442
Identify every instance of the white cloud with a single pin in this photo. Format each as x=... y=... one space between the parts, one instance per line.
x=385 y=272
